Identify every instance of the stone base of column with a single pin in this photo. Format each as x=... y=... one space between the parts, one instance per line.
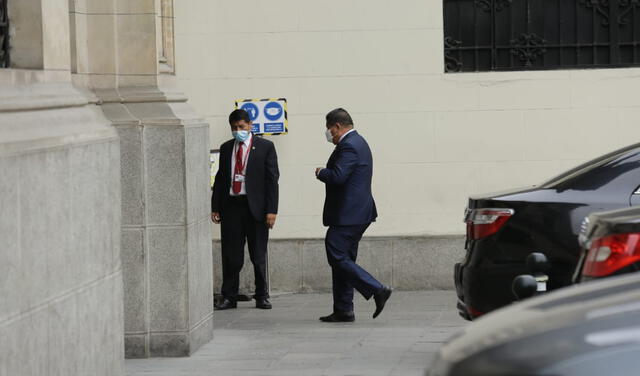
x=169 y=344
x=60 y=269
x=166 y=230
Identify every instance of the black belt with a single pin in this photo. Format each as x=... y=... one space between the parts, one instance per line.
x=238 y=199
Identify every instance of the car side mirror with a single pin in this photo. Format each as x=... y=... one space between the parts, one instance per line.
x=524 y=286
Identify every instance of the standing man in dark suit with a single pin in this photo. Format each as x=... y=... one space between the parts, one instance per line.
x=349 y=209
x=245 y=203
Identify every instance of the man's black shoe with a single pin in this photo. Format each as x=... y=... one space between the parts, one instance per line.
x=339 y=317
x=263 y=303
x=225 y=304
x=381 y=298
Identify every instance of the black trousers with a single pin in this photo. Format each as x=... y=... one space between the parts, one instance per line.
x=237 y=227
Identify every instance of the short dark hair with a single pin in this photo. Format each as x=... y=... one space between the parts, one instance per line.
x=339 y=115
x=237 y=115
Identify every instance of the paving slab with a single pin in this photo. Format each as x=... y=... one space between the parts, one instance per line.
x=289 y=339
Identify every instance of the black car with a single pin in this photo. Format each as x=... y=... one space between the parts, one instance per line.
x=591 y=329
x=610 y=244
x=503 y=228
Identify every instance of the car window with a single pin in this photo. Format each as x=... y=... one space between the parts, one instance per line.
x=600 y=171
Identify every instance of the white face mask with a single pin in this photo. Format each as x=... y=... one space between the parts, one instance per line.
x=329 y=135
x=241 y=135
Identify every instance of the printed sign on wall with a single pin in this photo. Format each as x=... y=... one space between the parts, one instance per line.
x=269 y=116
x=214 y=156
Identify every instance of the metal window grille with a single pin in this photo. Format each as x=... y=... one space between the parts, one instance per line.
x=4 y=35
x=497 y=35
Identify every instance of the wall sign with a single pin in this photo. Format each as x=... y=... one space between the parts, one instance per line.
x=214 y=157
x=269 y=116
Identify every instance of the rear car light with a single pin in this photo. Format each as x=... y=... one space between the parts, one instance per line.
x=611 y=253
x=474 y=312
x=485 y=222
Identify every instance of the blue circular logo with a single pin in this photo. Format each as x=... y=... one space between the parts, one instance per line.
x=252 y=109
x=273 y=111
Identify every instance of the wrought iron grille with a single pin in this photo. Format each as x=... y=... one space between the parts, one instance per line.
x=4 y=35
x=494 y=35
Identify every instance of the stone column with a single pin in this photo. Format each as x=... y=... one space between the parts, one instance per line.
x=166 y=239
x=166 y=231
x=60 y=270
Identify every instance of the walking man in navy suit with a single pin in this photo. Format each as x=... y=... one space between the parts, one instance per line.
x=349 y=209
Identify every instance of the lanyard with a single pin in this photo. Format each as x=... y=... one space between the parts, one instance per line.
x=240 y=168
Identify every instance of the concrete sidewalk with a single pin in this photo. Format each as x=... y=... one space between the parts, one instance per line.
x=289 y=339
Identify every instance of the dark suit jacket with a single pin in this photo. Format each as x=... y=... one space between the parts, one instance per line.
x=261 y=181
x=348 y=184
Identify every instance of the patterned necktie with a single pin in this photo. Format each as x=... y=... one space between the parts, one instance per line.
x=238 y=170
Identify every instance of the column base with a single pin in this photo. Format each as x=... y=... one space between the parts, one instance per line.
x=163 y=344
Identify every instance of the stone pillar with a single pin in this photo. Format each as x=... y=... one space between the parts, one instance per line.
x=166 y=239
x=60 y=270
x=39 y=35
x=166 y=234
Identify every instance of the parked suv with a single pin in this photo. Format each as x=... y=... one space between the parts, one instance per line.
x=504 y=228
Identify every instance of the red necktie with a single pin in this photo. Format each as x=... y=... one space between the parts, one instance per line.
x=238 y=170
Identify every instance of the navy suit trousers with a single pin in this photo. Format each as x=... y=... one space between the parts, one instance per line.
x=341 y=243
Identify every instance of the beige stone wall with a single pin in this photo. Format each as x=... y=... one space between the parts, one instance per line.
x=436 y=137
x=61 y=294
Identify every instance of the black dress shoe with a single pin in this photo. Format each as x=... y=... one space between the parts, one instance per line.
x=225 y=304
x=263 y=303
x=339 y=317
x=381 y=298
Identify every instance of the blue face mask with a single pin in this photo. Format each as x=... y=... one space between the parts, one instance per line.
x=240 y=136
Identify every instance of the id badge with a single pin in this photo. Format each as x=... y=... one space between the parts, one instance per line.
x=238 y=178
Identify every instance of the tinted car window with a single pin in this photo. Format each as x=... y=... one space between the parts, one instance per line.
x=619 y=170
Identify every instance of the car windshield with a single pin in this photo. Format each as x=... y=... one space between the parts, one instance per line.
x=565 y=178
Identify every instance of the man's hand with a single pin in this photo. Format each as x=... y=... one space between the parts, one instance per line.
x=318 y=171
x=271 y=220
x=215 y=217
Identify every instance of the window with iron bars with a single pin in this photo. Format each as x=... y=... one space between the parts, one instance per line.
x=4 y=35
x=502 y=35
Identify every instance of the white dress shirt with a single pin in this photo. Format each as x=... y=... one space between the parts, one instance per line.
x=345 y=135
x=245 y=157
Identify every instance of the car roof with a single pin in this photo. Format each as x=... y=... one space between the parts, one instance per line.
x=591 y=165
x=570 y=306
